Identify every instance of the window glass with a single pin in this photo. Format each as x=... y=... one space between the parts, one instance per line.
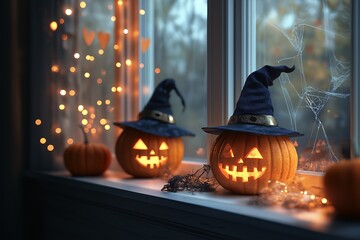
x=315 y=37
x=96 y=70
x=80 y=77
x=180 y=30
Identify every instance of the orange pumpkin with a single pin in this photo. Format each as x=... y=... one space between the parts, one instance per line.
x=245 y=163
x=87 y=159
x=342 y=188
x=147 y=155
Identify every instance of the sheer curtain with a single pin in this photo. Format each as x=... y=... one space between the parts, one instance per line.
x=88 y=76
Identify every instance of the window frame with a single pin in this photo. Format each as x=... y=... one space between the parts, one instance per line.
x=221 y=94
x=355 y=90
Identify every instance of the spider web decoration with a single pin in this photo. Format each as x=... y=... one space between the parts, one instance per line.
x=310 y=98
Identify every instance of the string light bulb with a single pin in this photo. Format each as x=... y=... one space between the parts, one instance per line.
x=72 y=92
x=55 y=68
x=53 y=26
x=38 y=122
x=83 y=4
x=50 y=147
x=58 y=130
x=64 y=37
x=68 y=11
x=128 y=62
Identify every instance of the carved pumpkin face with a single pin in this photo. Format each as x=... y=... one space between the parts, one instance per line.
x=239 y=168
x=244 y=163
x=146 y=155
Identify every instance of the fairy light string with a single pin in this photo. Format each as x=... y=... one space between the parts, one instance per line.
x=293 y=195
x=78 y=70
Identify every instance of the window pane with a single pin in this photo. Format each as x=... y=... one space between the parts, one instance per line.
x=315 y=37
x=80 y=77
x=180 y=53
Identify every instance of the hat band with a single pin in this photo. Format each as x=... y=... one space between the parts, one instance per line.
x=154 y=114
x=263 y=120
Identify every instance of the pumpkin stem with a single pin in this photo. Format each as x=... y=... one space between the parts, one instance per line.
x=86 y=140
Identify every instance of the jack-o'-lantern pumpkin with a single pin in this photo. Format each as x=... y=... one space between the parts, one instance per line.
x=152 y=145
x=251 y=149
x=244 y=163
x=146 y=155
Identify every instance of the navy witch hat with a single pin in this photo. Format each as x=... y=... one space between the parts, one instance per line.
x=157 y=117
x=254 y=112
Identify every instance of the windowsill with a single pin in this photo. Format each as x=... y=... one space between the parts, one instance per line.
x=319 y=222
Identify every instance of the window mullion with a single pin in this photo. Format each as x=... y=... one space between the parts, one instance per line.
x=147 y=79
x=218 y=64
x=245 y=37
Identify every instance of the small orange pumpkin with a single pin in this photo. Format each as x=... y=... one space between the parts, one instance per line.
x=245 y=163
x=87 y=159
x=342 y=188
x=146 y=155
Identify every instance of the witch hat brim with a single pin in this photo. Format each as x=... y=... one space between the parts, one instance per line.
x=254 y=111
x=155 y=127
x=253 y=129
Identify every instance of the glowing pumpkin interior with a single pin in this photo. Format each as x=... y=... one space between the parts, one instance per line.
x=239 y=171
x=148 y=157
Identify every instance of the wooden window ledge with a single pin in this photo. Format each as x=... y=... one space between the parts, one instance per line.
x=115 y=205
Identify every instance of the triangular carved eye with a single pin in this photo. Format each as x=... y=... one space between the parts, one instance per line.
x=140 y=145
x=163 y=146
x=254 y=153
x=228 y=152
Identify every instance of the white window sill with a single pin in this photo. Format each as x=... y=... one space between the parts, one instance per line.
x=314 y=224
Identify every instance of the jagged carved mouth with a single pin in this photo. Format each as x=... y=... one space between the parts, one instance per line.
x=151 y=161
x=233 y=173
